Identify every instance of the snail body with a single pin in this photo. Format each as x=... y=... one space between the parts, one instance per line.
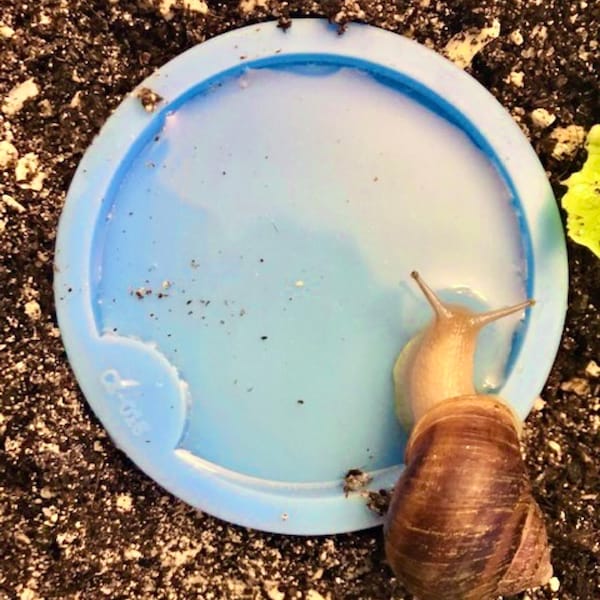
x=462 y=523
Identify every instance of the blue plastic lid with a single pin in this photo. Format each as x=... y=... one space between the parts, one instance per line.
x=233 y=263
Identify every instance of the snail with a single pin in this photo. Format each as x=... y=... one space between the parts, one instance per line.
x=462 y=523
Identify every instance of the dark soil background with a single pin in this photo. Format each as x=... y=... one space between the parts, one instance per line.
x=77 y=519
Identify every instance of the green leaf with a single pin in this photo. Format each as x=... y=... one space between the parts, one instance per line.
x=582 y=200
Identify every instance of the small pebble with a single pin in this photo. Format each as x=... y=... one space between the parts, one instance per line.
x=18 y=95
x=272 y=590
x=541 y=118
x=592 y=369
x=568 y=140
x=8 y=154
x=12 y=203
x=75 y=100
x=577 y=385
x=463 y=47
x=28 y=173
x=33 y=310
x=516 y=78
x=47 y=493
x=248 y=6
x=45 y=107
x=555 y=447
x=516 y=37
x=554 y=584
x=124 y=503
x=6 y=31
x=132 y=554
x=194 y=6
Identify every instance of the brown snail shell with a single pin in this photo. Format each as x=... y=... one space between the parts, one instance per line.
x=462 y=523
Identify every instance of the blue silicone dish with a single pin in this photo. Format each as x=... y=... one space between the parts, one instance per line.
x=232 y=268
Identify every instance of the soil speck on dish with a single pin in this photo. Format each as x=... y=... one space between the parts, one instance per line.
x=379 y=502
x=149 y=99
x=142 y=292
x=356 y=480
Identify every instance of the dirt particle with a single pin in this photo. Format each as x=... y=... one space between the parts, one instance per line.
x=356 y=480
x=142 y=292
x=149 y=99
x=379 y=501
